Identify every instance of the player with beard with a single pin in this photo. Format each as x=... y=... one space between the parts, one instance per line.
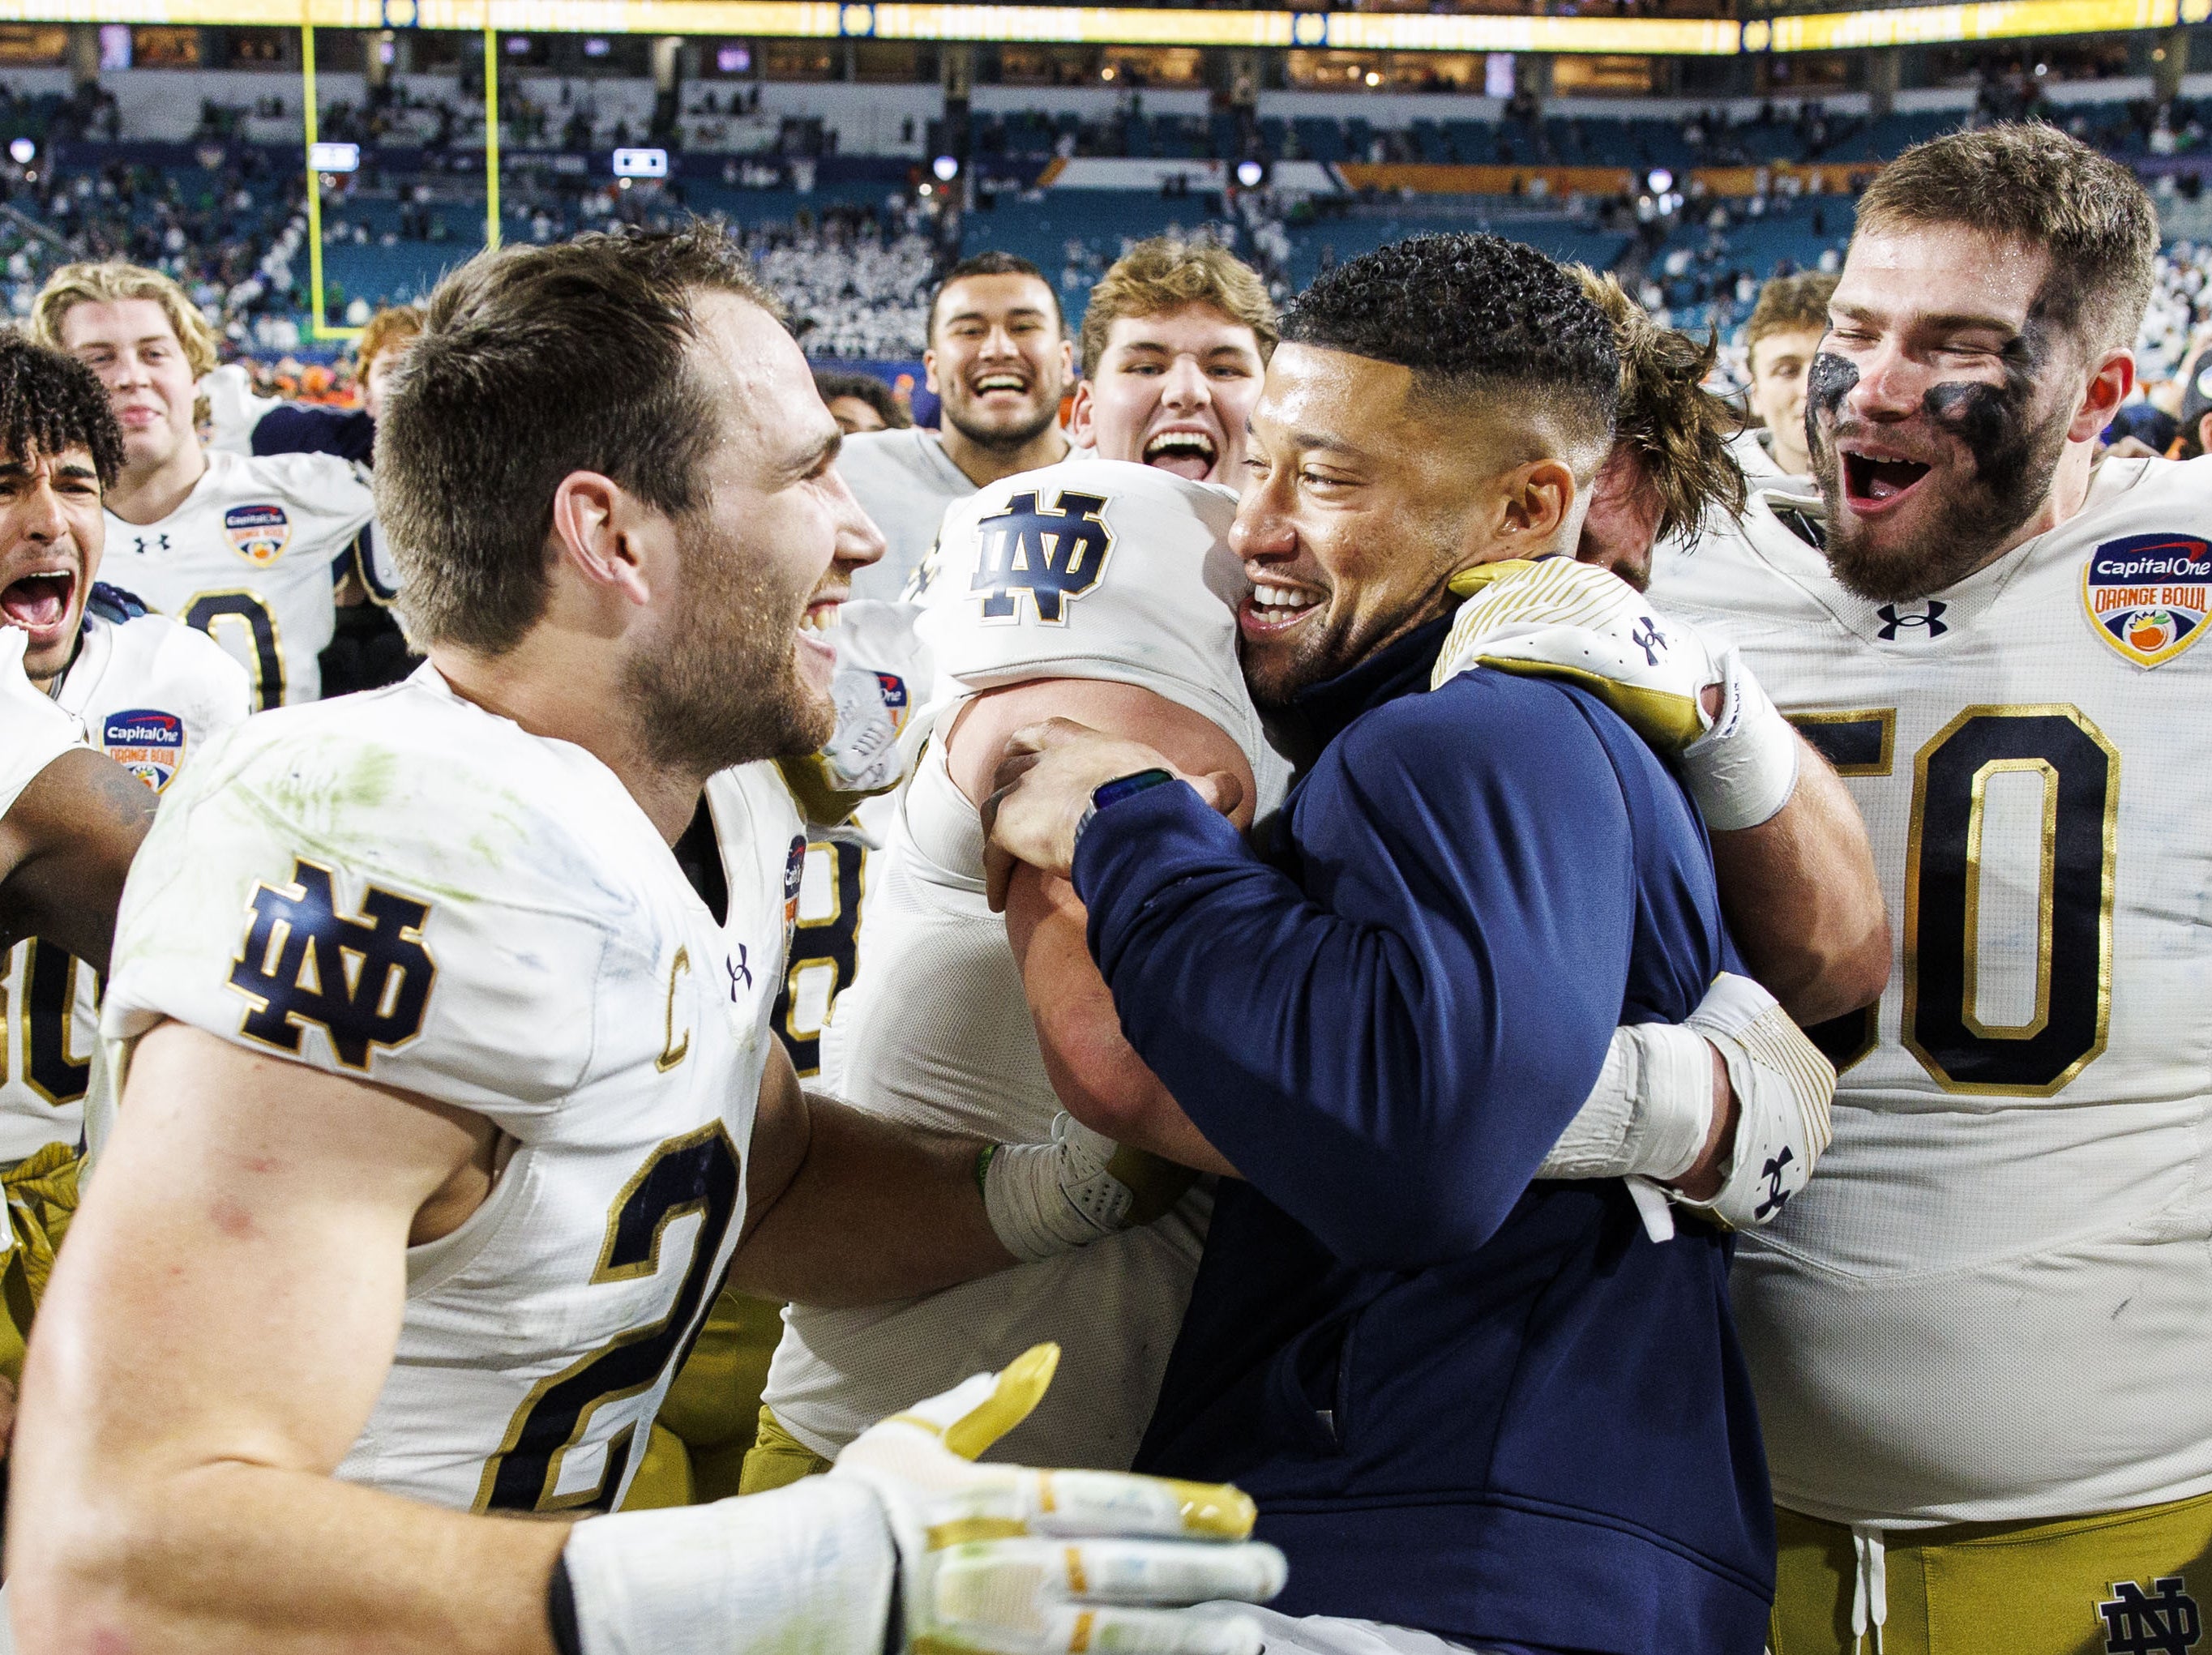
x=447 y=1101
x=1398 y=1298
x=247 y=549
x=1979 y=1340
x=998 y=362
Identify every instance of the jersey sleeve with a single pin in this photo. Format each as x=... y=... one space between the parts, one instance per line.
x=349 y=907
x=333 y=499
x=1099 y=570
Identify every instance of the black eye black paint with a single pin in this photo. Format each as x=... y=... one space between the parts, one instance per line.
x=1992 y=420
x=1827 y=382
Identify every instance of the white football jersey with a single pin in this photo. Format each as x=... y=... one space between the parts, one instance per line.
x=1990 y=1303
x=403 y=887
x=903 y=480
x=151 y=694
x=249 y=558
x=1101 y=570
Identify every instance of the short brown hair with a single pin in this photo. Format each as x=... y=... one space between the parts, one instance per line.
x=2032 y=184
x=1790 y=304
x=1166 y=273
x=990 y=263
x=111 y=282
x=390 y=329
x=535 y=363
x=1680 y=430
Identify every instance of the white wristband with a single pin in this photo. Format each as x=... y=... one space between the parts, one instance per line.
x=809 y=1568
x=1045 y=1199
x=1649 y=1113
x=1742 y=771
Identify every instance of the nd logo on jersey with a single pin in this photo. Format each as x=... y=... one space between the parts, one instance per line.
x=258 y=533
x=149 y=744
x=2148 y=595
x=1054 y=556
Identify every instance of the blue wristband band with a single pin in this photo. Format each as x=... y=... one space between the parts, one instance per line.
x=1108 y=794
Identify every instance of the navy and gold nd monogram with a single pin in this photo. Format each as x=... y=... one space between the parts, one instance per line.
x=1054 y=556
x=364 y=979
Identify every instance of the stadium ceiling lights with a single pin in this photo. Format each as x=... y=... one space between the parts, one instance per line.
x=1112 y=26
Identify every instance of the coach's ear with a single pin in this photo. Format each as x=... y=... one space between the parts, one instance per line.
x=1535 y=504
x=603 y=535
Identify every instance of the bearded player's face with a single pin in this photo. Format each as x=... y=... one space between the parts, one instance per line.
x=1939 y=406
x=1356 y=511
x=738 y=667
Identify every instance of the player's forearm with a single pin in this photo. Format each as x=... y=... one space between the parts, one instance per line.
x=1094 y=1072
x=1803 y=901
x=876 y=1211
x=231 y=1559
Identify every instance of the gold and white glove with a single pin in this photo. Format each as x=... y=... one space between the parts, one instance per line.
x=905 y=1537
x=34 y=731
x=1001 y=1560
x=1556 y=618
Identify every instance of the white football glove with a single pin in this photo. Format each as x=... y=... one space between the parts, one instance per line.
x=905 y=1536
x=34 y=731
x=1784 y=1089
x=1045 y=1199
x=1556 y=618
x=1647 y=1116
x=1013 y=1561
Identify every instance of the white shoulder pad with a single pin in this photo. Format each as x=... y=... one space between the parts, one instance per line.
x=402 y=887
x=329 y=490
x=1098 y=569
x=34 y=731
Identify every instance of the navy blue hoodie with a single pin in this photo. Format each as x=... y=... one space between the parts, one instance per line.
x=1490 y=1409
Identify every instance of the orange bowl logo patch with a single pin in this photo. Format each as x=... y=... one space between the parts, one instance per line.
x=258 y=533
x=2148 y=595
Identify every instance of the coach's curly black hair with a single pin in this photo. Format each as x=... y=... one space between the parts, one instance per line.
x=1469 y=313
x=49 y=403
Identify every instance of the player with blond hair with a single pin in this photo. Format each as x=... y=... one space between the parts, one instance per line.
x=245 y=548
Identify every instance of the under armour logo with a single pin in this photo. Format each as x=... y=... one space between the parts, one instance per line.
x=1053 y=556
x=1647 y=637
x=740 y=971
x=1892 y=619
x=364 y=979
x=2138 y=1623
x=161 y=543
x=1775 y=1193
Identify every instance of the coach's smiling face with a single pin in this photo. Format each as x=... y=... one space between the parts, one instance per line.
x=1364 y=494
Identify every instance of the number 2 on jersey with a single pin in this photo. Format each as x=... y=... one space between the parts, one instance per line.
x=2078 y=773
x=697 y=1172
x=211 y=611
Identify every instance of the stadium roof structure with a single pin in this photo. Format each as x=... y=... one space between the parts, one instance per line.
x=909 y=20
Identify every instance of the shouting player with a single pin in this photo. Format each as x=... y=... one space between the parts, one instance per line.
x=245 y=549
x=1979 y=1340
x=447 y=1101
x=143 y=689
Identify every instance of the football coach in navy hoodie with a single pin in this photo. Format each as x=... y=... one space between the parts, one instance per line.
x=1469 y=1404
